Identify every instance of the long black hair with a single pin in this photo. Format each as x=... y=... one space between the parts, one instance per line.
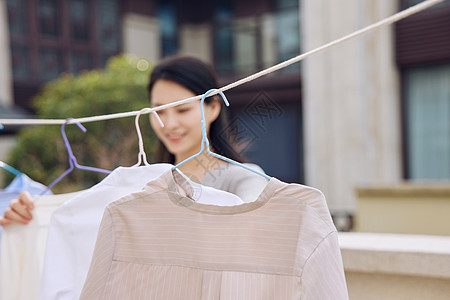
x=198 y=77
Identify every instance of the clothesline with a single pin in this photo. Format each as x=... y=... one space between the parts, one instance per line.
x=389 y=20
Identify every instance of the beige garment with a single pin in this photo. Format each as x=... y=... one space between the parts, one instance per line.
x=157 y=244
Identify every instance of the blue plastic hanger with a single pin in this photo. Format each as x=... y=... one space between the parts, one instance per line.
x=72 y=160
x=10 y=169
x=205 y=140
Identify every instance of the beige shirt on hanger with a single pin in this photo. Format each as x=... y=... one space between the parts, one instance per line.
x=161 y=244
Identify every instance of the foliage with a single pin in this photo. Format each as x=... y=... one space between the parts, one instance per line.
x=121 y=86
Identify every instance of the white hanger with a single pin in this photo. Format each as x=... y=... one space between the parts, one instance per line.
x=142 y=157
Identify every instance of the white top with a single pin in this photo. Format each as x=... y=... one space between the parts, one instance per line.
x=74 y=227
x=23 y=248
x=237 y=180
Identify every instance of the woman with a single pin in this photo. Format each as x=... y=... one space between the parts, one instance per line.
x=175 y=79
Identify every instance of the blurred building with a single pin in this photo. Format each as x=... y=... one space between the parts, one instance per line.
x=373 y=111
x=376 y=110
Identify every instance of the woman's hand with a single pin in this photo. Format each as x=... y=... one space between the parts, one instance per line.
x=19 y=210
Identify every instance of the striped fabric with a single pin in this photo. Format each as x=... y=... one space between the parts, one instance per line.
x=161 y=244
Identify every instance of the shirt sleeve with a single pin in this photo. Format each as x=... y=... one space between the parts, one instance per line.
x=96 y=280
x=323 y=274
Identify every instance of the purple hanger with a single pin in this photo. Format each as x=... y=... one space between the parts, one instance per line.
x=72 y=160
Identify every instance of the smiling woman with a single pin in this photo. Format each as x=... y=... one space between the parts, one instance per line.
x=181 y=134
x=179 y=78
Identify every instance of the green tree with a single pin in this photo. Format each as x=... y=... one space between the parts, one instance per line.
x=121 y=86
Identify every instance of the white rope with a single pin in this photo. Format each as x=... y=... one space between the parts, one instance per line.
x=394 y=18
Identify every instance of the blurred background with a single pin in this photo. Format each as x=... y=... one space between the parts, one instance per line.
x=367 y=121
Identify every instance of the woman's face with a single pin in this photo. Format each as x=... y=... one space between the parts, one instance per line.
x=182 y=131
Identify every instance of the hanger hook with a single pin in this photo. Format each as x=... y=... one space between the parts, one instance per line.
x=206 y=142
x=142 y=156
x=204 y=134
x=72 y=158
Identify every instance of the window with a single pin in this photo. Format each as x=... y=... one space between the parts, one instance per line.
x=427 y=109
x=288 y=29
x=169 y=28
x=50 y=63
x=17 y=17
x=288 y=35
x=423 y=56
x=48 y=18
x=79 y=21
x=262 y=134
x=20 y=56
x=108 y=26
x=49 y=37
x=404 y=4
x=251 y=42
x=256 y=120
x=408 y=3
x=223 y=38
